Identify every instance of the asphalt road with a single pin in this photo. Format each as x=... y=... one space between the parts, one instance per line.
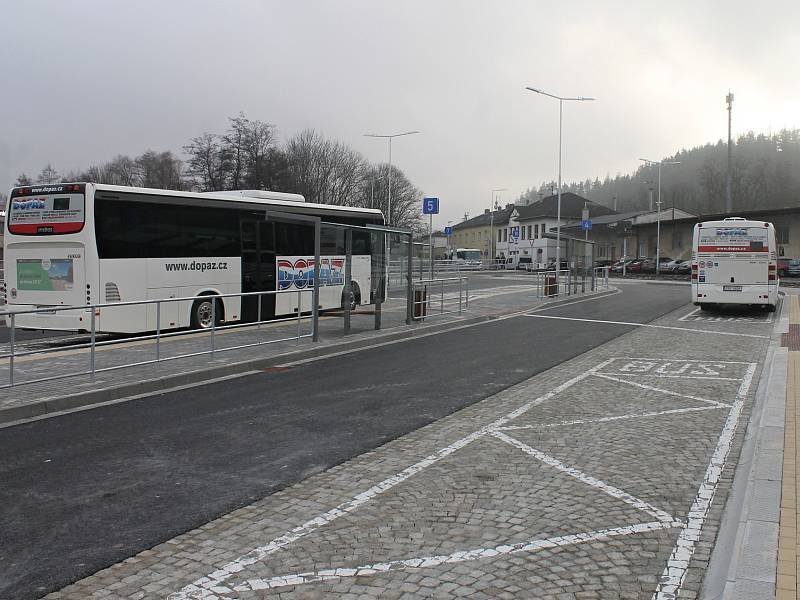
x=85 y=490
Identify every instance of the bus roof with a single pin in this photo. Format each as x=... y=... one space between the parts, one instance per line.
x=734 y=222
x=289 y=202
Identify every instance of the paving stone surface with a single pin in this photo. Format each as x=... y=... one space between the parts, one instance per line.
x=604 y=477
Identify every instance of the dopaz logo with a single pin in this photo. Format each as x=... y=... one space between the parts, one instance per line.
x=300 y=272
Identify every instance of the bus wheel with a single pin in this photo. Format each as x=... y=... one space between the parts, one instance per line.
x=705 y=307
x=770 y=307
x=354 y=299
x=201 y=313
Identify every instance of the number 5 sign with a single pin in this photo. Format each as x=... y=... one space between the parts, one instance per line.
x=430 y=206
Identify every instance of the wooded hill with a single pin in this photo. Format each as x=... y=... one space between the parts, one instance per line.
x=765 y=173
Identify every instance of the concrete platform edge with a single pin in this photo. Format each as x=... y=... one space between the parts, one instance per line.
x=744 y=559
x=149 y=386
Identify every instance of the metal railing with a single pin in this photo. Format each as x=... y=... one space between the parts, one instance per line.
x=600 y=278
x=94 y=311
x=442 y=296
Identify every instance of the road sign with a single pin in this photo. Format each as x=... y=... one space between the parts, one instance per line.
x=430 y=206
x=514 y=234
x=448 y=231
x=586 y=224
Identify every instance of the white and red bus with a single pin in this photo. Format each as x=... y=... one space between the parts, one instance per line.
x=734 y=261
x=75 y=244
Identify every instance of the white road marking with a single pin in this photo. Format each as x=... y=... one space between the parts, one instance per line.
x=612 y=491
x=614 y=293
x=661 y=390
x=678 y=563
x=674 y=411
x=456 y=557
x=208 y=587
x=626 y=323
x=724 y=319
x=679 y=376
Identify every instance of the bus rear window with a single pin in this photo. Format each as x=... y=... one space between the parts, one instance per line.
x=46 y=210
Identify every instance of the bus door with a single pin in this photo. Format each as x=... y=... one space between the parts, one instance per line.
x=258 y=267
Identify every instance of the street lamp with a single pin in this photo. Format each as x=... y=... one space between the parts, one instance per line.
x=649 y=162
x=390 y=137
x=492 y=208
x=560 y=114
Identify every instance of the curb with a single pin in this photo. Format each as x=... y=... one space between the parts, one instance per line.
x=744 y=559
x=150 y=386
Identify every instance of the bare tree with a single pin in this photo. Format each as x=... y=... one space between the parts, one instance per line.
x=406 y=198
x=325 y=171
x=23 y=179
x=160 y=170
x=208 y=162
x=48 y=175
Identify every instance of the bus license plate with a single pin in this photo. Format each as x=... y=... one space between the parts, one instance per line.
x=731 y=288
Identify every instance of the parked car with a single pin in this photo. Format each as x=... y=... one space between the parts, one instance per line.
x=635 y=266
x=684 y=268
x=783 y=266
x=617 y=266
x=793 y=270
x=672 y=265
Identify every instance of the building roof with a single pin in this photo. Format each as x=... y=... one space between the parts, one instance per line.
x=571 y=208
x=500 y=218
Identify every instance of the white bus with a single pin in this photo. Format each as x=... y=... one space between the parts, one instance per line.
x=734 y=261
x=468 y=257
x=74 y=244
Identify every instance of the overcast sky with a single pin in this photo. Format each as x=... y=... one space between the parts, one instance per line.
x=86 y=80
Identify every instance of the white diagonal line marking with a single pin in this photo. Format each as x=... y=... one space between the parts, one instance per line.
x=207 y=588
x=662 y=390
x=678 y=563
x=680 y=376
x=631 y=324
x=456 y=557
x=674 y=411
x=612 y=491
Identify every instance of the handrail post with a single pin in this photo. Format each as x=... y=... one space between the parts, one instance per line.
x=259 y=300
x=11 y=358
x=466 y=299
x=460 y=294
x=213 y=323
x=158 y=330
x=299 y=311
x=94 y=339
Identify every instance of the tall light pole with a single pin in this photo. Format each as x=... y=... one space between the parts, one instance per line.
x=491 y=222
x=561 y=100
x=390 y=137
x=728 y=184
x=658 y=208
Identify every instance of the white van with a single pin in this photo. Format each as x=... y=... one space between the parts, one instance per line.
x=734 y=261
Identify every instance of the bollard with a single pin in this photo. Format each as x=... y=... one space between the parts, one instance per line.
x=213 y=323
x=94 y=335
x=11 y=358
x=158 y=330
x=299 y=311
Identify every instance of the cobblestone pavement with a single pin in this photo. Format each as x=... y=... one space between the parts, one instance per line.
x=604 y=477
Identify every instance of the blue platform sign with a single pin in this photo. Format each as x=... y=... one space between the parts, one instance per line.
x=430 y=206
x=586 y=224
x=448 y=231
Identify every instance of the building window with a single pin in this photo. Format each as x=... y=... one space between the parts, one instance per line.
x=782 y=234
x=523 y=232
x=536 y=231
x=530 y=229
x=499 y=235
x=505 y=234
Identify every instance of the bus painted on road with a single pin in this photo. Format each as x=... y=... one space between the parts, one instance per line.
x=75 y=244
x=734 y=261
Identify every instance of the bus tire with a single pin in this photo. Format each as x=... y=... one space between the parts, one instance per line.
x=355 y=297
x=705 y=307
x=201 y=313
x=771 y=307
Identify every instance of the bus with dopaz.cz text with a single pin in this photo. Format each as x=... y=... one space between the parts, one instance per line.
x=734 y=261
x=76 y=244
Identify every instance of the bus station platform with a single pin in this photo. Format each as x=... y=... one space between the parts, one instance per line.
x=63 y=360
